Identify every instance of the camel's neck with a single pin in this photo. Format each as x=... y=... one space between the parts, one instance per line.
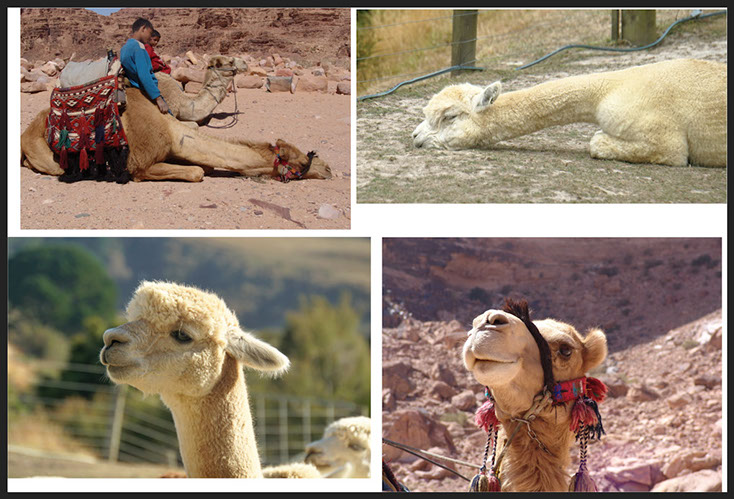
x=559 y=102
x=526 y=466
x=214 y=86
x=247 y=158
x=215 y=433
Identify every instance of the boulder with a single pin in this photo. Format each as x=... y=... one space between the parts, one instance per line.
x=700 y=481
x=249 y=81
x=344 y=88
x=33 y=87
x=415 y=428
x=279 y=84
x=310 y=83
x=185 y=75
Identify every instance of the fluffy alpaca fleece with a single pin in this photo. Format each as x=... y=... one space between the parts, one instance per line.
x=344 y=450
x=670 y=113
x=502 y=355
x=187 y=346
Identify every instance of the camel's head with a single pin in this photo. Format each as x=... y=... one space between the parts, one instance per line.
x=228 y=63
x=503 y=355
x=177 y=341
x=344 y=450
x=454 y=117
x=305 y=165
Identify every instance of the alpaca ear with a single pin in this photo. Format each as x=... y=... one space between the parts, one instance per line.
x=488 y=96
x=255 y=353
x=595 y=349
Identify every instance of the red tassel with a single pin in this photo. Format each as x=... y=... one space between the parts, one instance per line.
x=83 y=160
x=582 y=414
x=64 y=159
x=494 y=484
x=596 y=389
x=485 y=417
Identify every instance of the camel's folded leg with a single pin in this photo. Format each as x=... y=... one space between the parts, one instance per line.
x=37 y=155
x=169 y=171
x=662 y=152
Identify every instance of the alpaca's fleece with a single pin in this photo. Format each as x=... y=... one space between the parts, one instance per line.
x=186 y=345
x=344 y=450
x=670 y=113
x=502 y=355
x=291 y=470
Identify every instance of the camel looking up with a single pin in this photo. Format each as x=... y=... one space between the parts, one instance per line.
x=669 y=113
x=503 y=355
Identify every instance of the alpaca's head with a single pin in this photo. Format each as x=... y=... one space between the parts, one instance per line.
x=455 y=117
x=344 y=450
x=177 y=339
x=502 y=354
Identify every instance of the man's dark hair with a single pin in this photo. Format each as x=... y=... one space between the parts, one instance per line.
x=155 y=34
x=142 y=23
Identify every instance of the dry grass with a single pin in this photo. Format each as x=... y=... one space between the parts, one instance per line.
x=503 y=36
x=37 y=431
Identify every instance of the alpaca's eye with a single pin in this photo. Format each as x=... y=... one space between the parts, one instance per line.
x=356 y=447
x=180 y=336
x=565 y=350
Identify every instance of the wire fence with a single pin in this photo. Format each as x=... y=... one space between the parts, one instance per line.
x=395 y=45
x=119 y=423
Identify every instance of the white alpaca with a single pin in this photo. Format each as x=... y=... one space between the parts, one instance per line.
x=187 y=346
x=344 y=450
x=669 y=113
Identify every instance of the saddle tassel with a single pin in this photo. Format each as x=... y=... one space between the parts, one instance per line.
x=99 y=123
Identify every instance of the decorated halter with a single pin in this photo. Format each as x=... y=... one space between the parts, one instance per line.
x=586 y=421
x=291 y=172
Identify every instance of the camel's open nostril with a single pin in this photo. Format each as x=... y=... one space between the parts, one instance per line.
x=497 y=320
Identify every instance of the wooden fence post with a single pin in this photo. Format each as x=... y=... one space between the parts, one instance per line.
x=463 y=39
x=615 y=25
x=116 y=430
x=638 y=27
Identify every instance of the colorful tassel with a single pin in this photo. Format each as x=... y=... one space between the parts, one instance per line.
x=596 y=389
x=83 y=160
x=485 y=417
x=99 y=139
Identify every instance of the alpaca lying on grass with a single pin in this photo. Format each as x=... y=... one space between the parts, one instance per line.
x=669 y=113
x=187 y=346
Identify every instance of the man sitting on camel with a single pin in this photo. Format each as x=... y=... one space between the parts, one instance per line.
x=138 y=67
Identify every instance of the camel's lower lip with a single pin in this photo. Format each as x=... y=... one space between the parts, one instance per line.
x=495 y=361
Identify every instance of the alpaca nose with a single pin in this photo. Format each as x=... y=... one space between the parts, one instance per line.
x=114 y=335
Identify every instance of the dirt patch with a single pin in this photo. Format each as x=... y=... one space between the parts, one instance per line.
x=311 y=121
x=549 y=166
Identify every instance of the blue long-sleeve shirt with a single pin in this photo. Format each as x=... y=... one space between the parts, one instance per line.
x=138 y=68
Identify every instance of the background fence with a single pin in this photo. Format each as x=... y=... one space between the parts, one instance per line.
x=398 y=45
x=119 y=423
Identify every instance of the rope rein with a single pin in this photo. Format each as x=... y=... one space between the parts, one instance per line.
x=236 y=112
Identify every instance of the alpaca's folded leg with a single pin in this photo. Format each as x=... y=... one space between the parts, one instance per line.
x=663 y=152
x=169 y=171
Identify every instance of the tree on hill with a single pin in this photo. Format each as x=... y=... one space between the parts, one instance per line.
x=60 y=285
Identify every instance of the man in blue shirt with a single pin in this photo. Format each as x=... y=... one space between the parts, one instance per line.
x=136 y=62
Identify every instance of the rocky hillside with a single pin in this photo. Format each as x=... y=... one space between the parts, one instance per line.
x=663 y=416
x=635 y=289
x=308 y=36
x=658 y=300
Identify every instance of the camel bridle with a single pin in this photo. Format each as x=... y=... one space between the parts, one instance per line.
x=585 y=418
x=218 y=72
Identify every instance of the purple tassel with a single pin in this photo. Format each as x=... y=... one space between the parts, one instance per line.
x=582 y=481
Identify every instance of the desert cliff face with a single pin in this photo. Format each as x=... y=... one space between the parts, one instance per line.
x=306 y=35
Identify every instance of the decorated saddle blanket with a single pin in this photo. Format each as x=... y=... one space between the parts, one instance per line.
x=84 y=123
